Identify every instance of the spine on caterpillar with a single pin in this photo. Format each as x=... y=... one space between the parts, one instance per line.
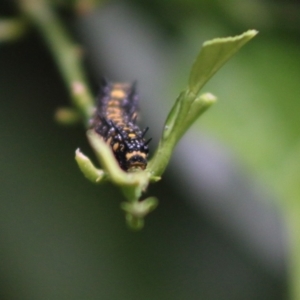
x=115 y=121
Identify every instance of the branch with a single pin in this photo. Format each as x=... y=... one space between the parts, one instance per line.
x=187 y=108
x=65 y=52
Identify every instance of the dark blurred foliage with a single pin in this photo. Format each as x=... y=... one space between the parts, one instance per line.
x=273 y=15
x=218 y=232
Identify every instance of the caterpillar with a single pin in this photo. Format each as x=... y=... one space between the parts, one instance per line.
x=115 y=121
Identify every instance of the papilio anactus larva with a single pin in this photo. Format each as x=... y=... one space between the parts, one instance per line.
x=115 y=121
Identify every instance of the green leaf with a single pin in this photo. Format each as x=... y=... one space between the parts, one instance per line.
x=213 y=55
x=185 y=111
x=189 y=104
x=88 y=169
x=198 y=107
x=136 y=211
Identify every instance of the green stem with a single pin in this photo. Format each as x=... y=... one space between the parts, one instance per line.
x=65 y=52
x=186 y=110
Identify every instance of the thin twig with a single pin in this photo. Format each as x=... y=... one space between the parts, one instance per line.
x=65 y=52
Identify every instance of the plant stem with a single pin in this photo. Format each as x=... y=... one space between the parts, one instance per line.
x=65 y=52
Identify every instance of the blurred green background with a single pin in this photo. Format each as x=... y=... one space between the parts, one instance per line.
x=227 y=224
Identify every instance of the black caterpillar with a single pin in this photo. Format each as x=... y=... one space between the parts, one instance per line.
x=115 y=121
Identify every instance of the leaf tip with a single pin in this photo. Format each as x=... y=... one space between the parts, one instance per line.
x=252 y=32
x=208 y=98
